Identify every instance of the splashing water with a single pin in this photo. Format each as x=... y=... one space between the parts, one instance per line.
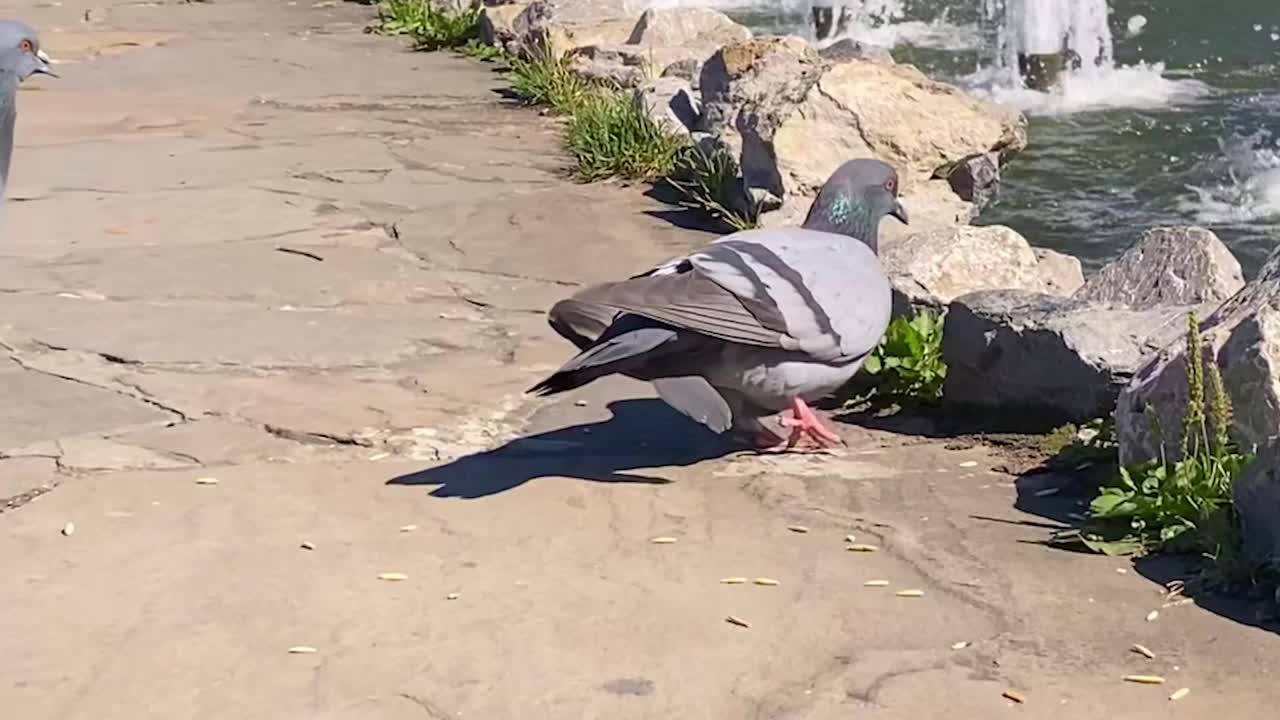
x=1048 y=27
x=1251 y=190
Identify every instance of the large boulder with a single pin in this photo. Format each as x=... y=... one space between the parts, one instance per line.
x=559 y=26
x=1045 y=359
x=497 y=25
x=1169 y=265
x=1243 y=337
x=1256 y=495
x=932 y=268
x=683 y=37
x=796 y=116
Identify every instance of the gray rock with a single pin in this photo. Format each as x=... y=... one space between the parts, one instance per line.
x=496 y=24
x=686 y=26
x=1243 y=337
x=559 y=26
x=976 y=178
x=670 y=101
x=624 y=66
x=1169 y=265
x=1046 y=359
x=849 y=49
x=1256 y=495
x=932 y=268
x=688 y=70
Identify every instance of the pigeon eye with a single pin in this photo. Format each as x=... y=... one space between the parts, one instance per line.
x=25 y=45
x=891 y=185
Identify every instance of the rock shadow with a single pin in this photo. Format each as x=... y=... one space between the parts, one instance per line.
x=1062 y=498
x=641 y=434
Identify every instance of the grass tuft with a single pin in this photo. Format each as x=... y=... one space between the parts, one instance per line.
x=431 y=27
x=547 y=80
x=610 y=135
x=708 y=181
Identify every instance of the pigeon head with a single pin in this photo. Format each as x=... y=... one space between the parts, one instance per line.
x=855 y=199
x=20 y=53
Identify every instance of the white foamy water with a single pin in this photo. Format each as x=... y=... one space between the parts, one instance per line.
x=1251 y=192
x=1050 y=26
x=1140 y=86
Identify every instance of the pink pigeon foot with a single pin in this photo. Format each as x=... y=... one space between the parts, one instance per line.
x=808 y=434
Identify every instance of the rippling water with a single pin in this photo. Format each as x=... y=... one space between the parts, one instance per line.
x=1185 y=128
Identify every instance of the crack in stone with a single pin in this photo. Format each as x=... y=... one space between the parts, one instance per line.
x=308 y=437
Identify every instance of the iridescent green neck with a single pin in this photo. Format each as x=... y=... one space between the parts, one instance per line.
x=844 y=215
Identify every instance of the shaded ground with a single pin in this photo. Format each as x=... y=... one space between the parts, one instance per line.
x=246 y=241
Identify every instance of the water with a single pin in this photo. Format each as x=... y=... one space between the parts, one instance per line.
x=1172 y=118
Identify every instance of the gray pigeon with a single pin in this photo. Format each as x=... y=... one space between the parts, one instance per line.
x=752 y=324
x=20 y=58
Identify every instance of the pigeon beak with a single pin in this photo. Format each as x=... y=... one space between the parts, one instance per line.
x=899 y=212
x=42 y=67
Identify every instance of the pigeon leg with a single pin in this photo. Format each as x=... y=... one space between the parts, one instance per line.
x=804 y=421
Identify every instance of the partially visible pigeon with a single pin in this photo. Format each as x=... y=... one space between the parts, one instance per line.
x=20 y=58
x=754 y=323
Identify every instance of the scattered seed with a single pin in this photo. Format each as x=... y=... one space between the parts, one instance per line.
x=960 y=645
x=379 y=456
x=408 y=528
x=393 y=577
x=1015 y=696
x=1176 y=603
x=580 y=403
x=859 y=547
x=663 y=540
x=876 y=583
x=1143 y=651
x=1179 y=694
x=1048 y=491
x=765 y=581
x=1151 y=616
x=798 y=529
x=69 y=529
x=910 y=593
x=207 y=481
x=969 y=463
x=302 y=650
x=733 y=580
x=1122 y=571
x=1144 y=679
x=308 y=545
x=451 y=596
x=850 y=539
x=735 y=620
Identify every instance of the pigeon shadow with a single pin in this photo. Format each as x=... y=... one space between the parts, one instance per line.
x=643 y=433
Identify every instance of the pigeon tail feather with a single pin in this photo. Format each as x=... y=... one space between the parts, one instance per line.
x=624 y=348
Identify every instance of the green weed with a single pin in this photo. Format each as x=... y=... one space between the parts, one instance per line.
x=544 y=79
x=1181 y=506
x=908 y=365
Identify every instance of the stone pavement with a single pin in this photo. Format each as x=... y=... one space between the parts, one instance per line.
x=246 y=241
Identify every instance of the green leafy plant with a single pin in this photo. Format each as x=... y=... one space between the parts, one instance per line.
x=708 y=181
x=431 y=27
x=545 y=79
x=610 y=135
x=1177 y=506
x=908 y=362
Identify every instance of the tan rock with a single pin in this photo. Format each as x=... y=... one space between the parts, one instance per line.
x=934 y=267
x=1169 y=265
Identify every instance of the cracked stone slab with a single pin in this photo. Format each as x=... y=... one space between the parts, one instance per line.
x=20 y=475
x=39 y=407
x=213 y=334
x=216 y=441
x=95 y=454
